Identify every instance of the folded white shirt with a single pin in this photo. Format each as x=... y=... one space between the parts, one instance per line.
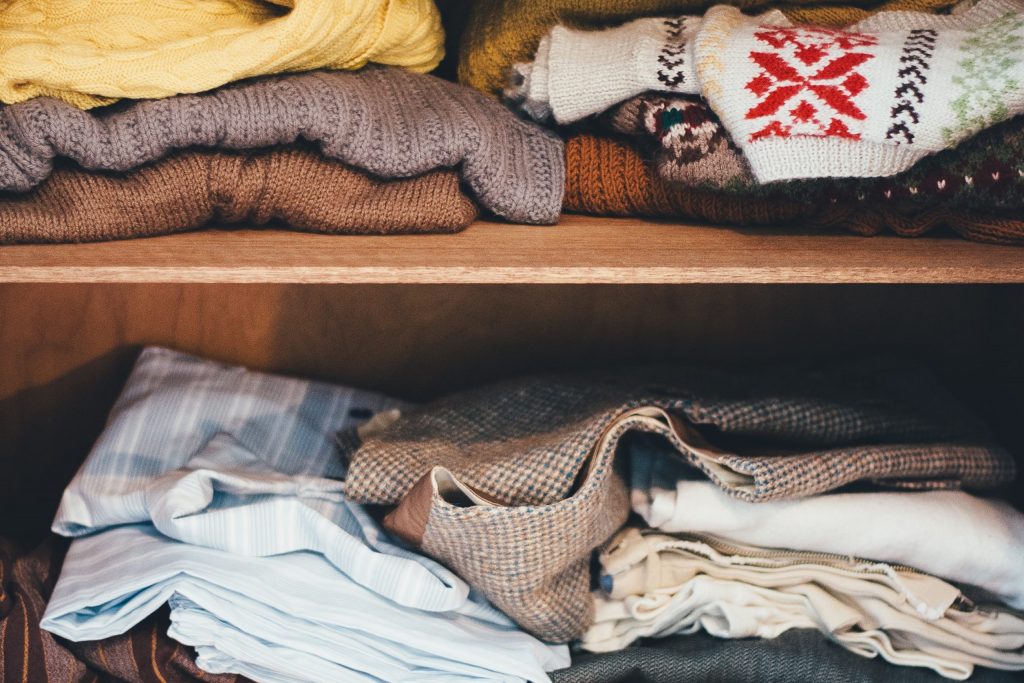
x=950 y=534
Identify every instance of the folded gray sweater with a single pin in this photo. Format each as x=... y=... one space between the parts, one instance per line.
x=386 y=121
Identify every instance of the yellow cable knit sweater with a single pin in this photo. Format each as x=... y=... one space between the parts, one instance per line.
x=500 y=33
x=91 y=52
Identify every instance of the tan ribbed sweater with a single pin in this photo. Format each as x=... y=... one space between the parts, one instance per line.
x=295 y=187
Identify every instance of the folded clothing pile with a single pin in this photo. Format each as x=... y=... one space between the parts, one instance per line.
x=655 y=584
x=214 y=490
x=219 y=531
x=514 y=486
x=900 y=116
x=385 y=147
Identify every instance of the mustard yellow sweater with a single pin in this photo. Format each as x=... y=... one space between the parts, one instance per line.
x=500 y=33
x=91 y=52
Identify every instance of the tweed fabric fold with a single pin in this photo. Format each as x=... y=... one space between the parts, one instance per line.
x=513 y=486
x=609 y=177
x=187 y=191
x=530 y=561
x=27 y=653
x=385 y=121
x=867 y=101
x=500 y=33
x=91 y=52
x=524 y=442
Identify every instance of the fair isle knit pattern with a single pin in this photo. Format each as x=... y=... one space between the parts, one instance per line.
x=578 y=73
x=868 y=101
x=686 y=141
x=382 y=120
x=687 y=145
x=990 y=73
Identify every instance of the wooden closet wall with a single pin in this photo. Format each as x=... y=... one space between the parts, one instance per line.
x=67 y=347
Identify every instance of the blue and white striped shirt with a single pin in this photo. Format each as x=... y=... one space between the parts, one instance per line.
x=214 y=488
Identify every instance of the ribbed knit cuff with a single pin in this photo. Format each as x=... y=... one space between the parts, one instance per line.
x=579 y=73
x=775 y=159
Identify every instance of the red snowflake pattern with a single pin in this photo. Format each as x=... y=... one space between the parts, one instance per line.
x=816 y=70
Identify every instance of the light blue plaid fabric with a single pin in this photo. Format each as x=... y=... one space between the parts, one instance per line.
x=211 y=488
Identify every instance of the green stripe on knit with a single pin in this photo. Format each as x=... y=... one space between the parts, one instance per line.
x=987 y=76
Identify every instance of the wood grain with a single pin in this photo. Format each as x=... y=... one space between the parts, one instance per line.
x=67 y=349
x=579 y=250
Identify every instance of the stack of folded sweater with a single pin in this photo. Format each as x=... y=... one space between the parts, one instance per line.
x=901 y=115
x=215 y=123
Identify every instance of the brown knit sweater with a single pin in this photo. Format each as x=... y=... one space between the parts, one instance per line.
x=295 y=187
x=608 y=177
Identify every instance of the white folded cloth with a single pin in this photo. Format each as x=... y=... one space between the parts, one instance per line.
x=657 y=585
x=950 y=534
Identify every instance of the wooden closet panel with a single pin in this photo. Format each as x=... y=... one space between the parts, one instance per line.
x=68 y=348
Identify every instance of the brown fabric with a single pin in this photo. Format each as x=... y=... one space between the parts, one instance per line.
x=542 y=450
x=293 y=186
x=408 y=521
x=29 y=655
x=608 y=177
x=524 y=442
x=532 y=562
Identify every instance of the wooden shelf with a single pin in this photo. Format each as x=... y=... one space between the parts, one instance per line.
x=578 y=250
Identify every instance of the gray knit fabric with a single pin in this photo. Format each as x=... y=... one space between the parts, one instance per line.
x=389 y=122
x=796 y=656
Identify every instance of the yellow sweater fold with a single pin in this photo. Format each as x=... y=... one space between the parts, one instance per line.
x=92 y=52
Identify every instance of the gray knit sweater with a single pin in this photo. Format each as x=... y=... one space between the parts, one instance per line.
x=386 y=121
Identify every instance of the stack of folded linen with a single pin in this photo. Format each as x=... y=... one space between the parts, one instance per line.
x=215 y=491
x=904 y=115
x=514 y=486
x=216 y=124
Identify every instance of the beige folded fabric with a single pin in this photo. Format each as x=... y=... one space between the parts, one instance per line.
x=657 y=585
x=296 y=187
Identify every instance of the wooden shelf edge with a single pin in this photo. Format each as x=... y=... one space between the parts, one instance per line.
x=495 y=276
x=580 y=250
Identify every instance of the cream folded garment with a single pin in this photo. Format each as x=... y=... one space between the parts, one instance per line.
x=951 y=534
x=657 y=585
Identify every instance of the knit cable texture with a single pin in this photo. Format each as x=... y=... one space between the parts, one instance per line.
x=296 y=187
x=384 y=121
x=500 y=33
x=90 y=52
x=869 y=101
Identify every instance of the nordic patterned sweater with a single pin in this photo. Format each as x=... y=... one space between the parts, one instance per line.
x=800 y=101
